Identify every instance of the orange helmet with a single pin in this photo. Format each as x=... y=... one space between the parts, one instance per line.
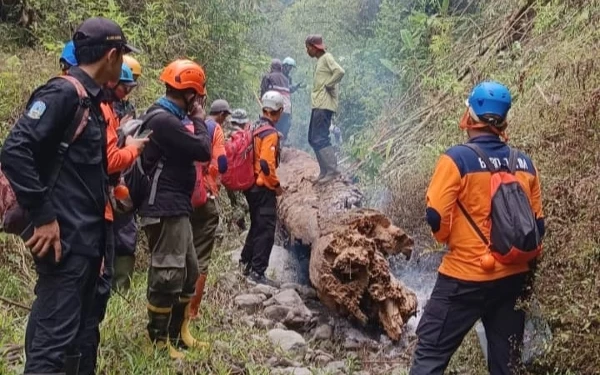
x=185 y=74
x=133 y=64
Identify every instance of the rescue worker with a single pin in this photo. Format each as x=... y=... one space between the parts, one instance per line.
x=70 y=234
x=205 y=219
x=134 y=65
x=275 y=80
x=124 y=108
x=238 y=121
x=288 y=65
x=164 y=214
x=125 y=227
x=466 y=289
x=324 y=102
x=67 y=58
x=262 y=197
x=118 y=160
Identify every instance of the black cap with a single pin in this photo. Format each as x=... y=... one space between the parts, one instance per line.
x=98 y=31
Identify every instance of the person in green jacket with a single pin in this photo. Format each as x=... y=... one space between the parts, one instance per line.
x=324 y=101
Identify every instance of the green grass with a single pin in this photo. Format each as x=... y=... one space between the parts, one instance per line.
x=125 y=347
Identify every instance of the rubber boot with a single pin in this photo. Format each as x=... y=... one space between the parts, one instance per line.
x=330 y=161
x=72 y=364
x=322 y=167
x=179 y=327
x=197 y=298
x=158 y=329
x=123 y=271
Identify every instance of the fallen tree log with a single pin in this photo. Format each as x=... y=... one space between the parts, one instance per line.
x=349 y=246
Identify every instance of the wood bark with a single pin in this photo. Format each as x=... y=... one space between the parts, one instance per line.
x=349 y=246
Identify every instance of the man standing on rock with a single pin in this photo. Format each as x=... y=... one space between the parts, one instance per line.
x=472 y=191
x=324 y=100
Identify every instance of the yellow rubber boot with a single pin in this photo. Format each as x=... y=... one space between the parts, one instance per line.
x=186 y=335
x=173 y=353
x=158 y=325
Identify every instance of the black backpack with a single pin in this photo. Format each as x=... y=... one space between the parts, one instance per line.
x=142 y=183
x=514 y=234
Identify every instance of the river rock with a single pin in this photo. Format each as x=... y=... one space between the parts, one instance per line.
x=289 y=341
x=291 y=371
x=264 y=323
x=323 y=332
x=336 y=367
x=267 y=290
x=287 y=297
x=277 y=313
x=249 y=302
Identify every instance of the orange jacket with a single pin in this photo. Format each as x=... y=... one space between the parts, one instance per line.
x=460 y=175
x=216 y=162
x=266 y=155
x=118 y=159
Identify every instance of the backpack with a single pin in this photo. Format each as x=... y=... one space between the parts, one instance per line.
x=514 y=234
x=239 y=151
x=140 y=182
x=200 y=194
x=15 y=219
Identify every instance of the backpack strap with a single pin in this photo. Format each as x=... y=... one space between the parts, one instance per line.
x=473 y=224
x=73 y=131
x=488 y=164
x=512 y=160
x=161 y=162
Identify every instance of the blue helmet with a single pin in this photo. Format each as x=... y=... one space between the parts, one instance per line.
x=127 y=76
x=490 y=100
x=68 y=54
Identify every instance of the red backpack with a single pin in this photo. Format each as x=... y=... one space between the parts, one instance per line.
x=200 y=194
x=239 y=150
x=15 y=219
x=514 y=234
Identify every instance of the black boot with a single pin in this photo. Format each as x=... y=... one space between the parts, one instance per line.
x=158 y=329
x=72 y=364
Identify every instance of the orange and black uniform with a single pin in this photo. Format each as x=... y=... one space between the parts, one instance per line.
x=464 y=291
x=262 y=200
x=205 y=219
x=118 y=159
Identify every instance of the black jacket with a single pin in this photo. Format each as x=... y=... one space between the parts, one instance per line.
x=28 y=154
x=178 y=148
x=274 y=80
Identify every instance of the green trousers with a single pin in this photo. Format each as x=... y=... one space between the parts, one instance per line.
x=204 y=220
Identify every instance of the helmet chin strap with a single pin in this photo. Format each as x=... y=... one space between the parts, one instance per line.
x=471 y=121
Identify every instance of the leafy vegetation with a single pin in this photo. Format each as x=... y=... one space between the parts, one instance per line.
x=409 y=66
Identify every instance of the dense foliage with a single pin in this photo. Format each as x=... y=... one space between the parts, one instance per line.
x=409 y=65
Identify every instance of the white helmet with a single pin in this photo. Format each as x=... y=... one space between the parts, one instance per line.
x=272 y=100
x=289 y=61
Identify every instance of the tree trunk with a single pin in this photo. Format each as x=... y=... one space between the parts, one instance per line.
x=349 y=246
